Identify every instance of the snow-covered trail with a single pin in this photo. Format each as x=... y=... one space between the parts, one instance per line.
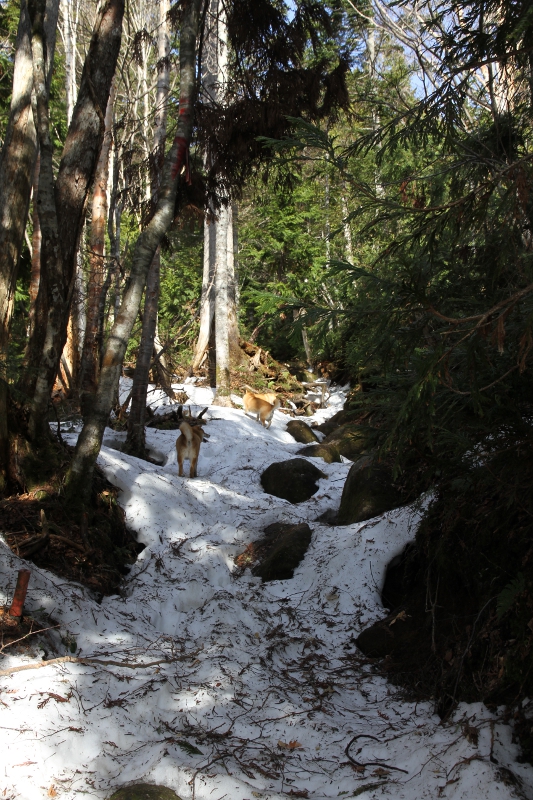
x=259 y=690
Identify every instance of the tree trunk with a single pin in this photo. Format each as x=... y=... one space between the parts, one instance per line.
x=236 y=354
x=35 y=277
x=346 y=225
x=70 y=365
x=161 y=365
x=223 y=386
x=80 y=474
x=207 y=302
x=92 y=344
x=69 y=33
x=17 y=163
x=135 y=441
x=62 y=206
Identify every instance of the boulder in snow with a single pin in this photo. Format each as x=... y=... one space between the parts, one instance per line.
x=368 y=492
x=294 y=480
x=301 y=431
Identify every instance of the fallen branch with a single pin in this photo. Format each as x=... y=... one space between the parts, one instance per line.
x=85 y=661
x=369 y=763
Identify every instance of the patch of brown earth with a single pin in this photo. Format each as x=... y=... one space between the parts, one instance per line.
x=94 y=550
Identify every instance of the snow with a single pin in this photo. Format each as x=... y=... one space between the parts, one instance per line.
x=258 y=690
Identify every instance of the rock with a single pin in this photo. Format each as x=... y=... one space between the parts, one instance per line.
x=368 y=492
x=294 y=480
x=279 y=552
x=329 y=517
x=301 y=431
x=320 y=451
x=144 y=791
x=349 y=440
x=397 y=631
x=333 y=422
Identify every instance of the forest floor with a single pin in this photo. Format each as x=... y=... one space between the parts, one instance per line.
x=197 y=676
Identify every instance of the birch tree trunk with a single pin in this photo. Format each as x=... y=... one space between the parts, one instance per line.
x=79 y=477
x=17 y=163
x=135 y=441
x=69 y=33
x=90 y=359
x=236 y=355
x=62 y=203
x=35 y=277
x=215 y=77
x=207 y=299
x=72 y=352
x=223 y=380
x=160 y=136
x=223 y=383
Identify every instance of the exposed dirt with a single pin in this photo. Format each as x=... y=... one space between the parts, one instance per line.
x=278 y=553
x=94 y=550
x=16 y=630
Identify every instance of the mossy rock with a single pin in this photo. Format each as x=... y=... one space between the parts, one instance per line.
x=144 y=791
x=301 y=431
x=285 y=546
x=330 y=455
x=334 y=422
x=294 y=480
x=369 y=491
x=349 y=440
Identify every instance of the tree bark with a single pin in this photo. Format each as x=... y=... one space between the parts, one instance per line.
x=207 y=301
x=17 y=163
x=35 y=277
x=161 y=365
x=69 y=34
x=223 y=386
x=92 y=344
x=80 y=474
x=62 y=205
x=135 y=441
x=218 y=245
x=236 y=354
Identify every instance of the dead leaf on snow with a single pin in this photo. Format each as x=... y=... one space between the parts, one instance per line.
x=292 y=745
x=52 y=696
